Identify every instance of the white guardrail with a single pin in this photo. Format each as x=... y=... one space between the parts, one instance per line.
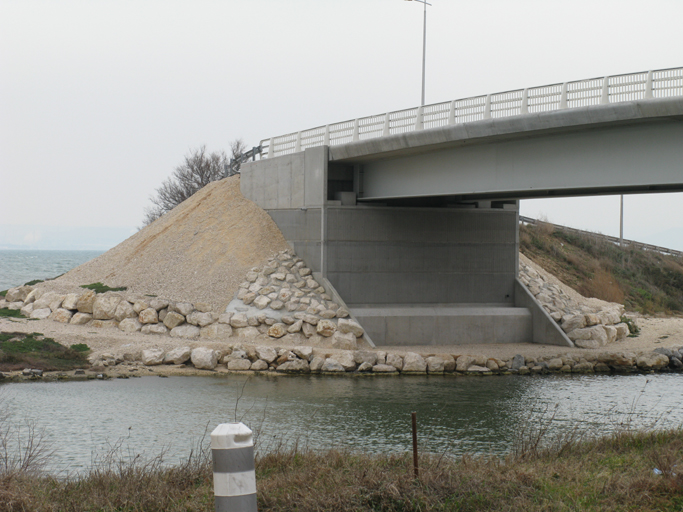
x=662 y=83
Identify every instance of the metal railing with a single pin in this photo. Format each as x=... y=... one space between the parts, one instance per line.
x=661 y=83
x=235 y=163
x=614 y=239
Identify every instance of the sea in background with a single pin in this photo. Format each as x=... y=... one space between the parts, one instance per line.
x=18 y=266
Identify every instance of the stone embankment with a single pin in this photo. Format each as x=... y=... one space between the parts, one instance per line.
x=587 y=326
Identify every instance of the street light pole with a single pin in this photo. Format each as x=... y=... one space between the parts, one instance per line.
x=424 y=46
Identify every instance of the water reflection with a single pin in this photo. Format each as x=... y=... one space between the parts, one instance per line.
x=372 y=414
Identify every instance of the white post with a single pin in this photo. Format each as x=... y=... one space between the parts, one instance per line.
x=605 y=91
x=356 y=131
x=326 y=138
x=419 y=118
x=563 y=97
x=451 y=113
x=234 y=475
x=271 y=148
x=487 y=107
x=297 y=145
x=387 y=127
x=525 y=102
x=649 y=93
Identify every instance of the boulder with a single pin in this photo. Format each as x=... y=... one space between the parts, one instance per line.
x=130 y=325
x=239 y=365
x=71 y=300
x=154 y=329
x=268 y=354
x=277 y=330
x=384 y=368
x=45 y=300
x=363 y=356
x=61 y=315
x=305 y=353
x=27 y=310
x=200 y=319
x=317 y=363
x=463 y=363
x=185 y=331
x=215 y=331
x=622 y=331
x=140 y=305
x=611 y=333
x=347 y=360
x=261 y=302
x=475 y=368
x=148 y=316
x=331 y=365
x=350 y=326
x=203 y=358
x=326 y=328
x=104 y=306
x=344 y=341
x=239 y=320
x=247 y=332
x=555 y=364
x=184 y=308
x=158 y=304
x=414 y=363
x=86 y=301
x=56 y=302
x=123 y=310
x=573 y=322
x=34 y=295
x=41 y=313
x=652 y=361
x=295 y=366
x=435 y=364
x=178 y=355
x=583 y=367
x=492 y=365
x=152 y=356
x=224 y=318
x=173 y=319
x=295 y=327
x=309 y=330
x=517 y=362
x=18 y=294
x=259 y=366
x=617 y=359
x=80 y=319
x=395 y=361
x=589 y=343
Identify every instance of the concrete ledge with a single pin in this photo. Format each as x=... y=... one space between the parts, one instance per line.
x=545 y=329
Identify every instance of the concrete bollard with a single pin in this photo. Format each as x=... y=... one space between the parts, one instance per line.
x=234 y=477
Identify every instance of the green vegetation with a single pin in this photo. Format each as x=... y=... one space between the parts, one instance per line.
x=102 y=288
x=10 y=313
x=610 y=474
x=80 y=347
x=34 y=282
x=20 y=350
x=644 y=281
x=3 y=293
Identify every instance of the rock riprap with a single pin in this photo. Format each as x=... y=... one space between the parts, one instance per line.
x=586 y=326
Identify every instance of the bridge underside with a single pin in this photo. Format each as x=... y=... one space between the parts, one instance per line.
x=418 y=233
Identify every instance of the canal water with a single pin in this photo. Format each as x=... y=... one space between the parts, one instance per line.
x=456 y=415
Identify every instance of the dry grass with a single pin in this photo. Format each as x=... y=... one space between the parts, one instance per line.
x=610 y=474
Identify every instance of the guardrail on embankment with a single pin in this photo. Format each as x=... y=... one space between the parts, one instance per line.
x=662 y=83
x=613 y=239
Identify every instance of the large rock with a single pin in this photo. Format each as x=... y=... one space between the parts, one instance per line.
x=61 y=315
x=435 y=364
x=259 y=366
x=184 y=308
x=41 y=313
x=384 y=368
x=158 y=304
x=652 y=361
x=463 y=363
x=344 y=341
x=44 y=300
x=103 y=324
x=80 y=319
x=152 y=356
x=247 y=332
x=18 y=294
x=239 y=365
x=350 y=326
x=34 y=295
x=295 y=366
x=295 y=327
x=331 y=365
x=317 y=363
x=178 y=355
x=215 y=331
x=622 y=331
x=347 y=360
x=71 y=300
x=154 y=329
x=123 y=310
x=305 y=353
x=173 y=319
x=148 y=316
x=56 y=302
x=326 y=328
x=362 y=356
x=140 y=305
x=130 y=325
x=617 y=359
x=239 y=320
x=104 y=307
x=573 y=322
x=261 y=302
x=596 y=333
x=414 y=363
x=185 y=331
x=611 y=333
x=27 y=310
x=277 y=330
x=268 y=354
x=200 y=319
x=86 y=302
x=204 y=358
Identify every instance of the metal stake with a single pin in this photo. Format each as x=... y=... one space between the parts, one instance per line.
x=415 y=466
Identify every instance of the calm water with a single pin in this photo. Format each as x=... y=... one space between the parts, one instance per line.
x=455 y=414
x=19 y=267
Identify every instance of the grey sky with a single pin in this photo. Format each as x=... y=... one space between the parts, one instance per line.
x=100 y=100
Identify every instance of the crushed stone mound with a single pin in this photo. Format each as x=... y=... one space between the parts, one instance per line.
x=198 y=252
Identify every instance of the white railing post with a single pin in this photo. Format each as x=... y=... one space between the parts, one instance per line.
x=234 y=475
x=326 y=138
x=271 y=147
x=451 y=113
x=387 y=127
x=563 y=96
x=419 y=119
x=356 y=131
x=604 y=100
x=487 y=107
x=525 y=102
x=649 y=93
x=297 y=144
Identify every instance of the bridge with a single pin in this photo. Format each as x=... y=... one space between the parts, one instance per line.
x=411 y=217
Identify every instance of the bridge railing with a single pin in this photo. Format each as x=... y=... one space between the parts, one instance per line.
x=661 y=83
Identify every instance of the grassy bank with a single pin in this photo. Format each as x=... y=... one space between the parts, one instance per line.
x=611 y=474
x=20 y=350
x=643 y=281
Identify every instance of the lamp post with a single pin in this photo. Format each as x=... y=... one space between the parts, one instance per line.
x=424 y=45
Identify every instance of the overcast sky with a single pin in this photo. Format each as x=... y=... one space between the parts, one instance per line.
x=101 y=99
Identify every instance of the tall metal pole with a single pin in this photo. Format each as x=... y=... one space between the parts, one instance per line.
x=424 y=52
x=621 y=223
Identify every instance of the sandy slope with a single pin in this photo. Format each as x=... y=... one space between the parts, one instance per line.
x=199 y=252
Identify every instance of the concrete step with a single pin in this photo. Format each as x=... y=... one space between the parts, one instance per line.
x=444 y=324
